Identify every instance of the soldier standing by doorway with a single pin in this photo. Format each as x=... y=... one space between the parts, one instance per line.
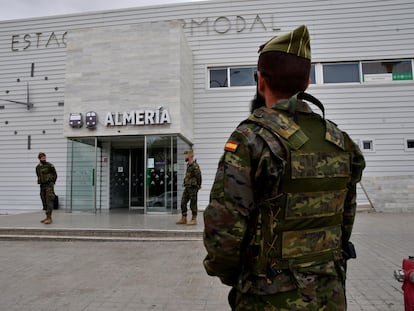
x=46 y=178
x=192 y=183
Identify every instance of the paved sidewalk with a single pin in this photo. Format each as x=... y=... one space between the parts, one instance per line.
x=99 y=220
x=161 y=275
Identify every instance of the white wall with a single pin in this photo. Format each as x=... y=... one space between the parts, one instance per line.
x=219 y=33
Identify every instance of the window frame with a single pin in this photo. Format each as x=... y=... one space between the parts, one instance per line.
x=387 y=81
x=208 y=80
x=228 y=78
x=406 y=148
x=361 y=144
x=358 y=63
x=319 y=74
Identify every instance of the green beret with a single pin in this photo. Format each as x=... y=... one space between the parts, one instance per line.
x=296 y=42
x=41 y=154
x=189 y=152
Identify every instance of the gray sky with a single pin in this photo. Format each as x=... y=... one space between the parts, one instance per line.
x=16 y=9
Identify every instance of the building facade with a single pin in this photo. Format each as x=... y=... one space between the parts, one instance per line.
x=115 y=97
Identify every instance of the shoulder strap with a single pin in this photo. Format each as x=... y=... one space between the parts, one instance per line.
x=293 y=101
x=333 y=133
x=279 y=124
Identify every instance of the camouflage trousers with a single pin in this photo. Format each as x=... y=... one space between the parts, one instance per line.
x=189 y=194
x=47 y=194
x=328 y=295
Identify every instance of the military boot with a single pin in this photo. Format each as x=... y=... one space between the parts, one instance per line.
x=48 y=219
x=193 y=221
x=182 y=221
x=43 y=220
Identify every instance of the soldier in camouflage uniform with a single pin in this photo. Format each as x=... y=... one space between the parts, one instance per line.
x=192 y=183
x=46 y=178
x=283 y=202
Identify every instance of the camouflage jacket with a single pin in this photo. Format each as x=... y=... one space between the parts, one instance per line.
x=248 y=174
x=192 y=176
x=46 y=173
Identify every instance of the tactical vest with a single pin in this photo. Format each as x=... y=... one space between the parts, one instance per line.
x=190 y=178
x=46 y=173
x=302 y=224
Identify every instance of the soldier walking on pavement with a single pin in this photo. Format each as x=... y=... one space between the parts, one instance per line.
x=192 y=183
x=283 y=202
x=46 y=178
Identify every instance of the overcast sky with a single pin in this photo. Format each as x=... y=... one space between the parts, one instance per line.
x=16 y=9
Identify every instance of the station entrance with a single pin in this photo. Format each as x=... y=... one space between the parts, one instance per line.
x=139 y=173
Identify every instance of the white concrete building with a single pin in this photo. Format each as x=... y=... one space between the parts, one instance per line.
x=115 y=97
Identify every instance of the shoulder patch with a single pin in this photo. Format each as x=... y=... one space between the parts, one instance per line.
x=231 y=146
x=334 y=134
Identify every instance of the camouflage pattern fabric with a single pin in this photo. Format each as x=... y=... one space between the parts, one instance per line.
x=46 y=173
x=192 y=176
x=46 y=177
x=47 y=195
x=319 y=165
x=250 y=173
x=189 y=195
x=328 y=296
x=192 y=183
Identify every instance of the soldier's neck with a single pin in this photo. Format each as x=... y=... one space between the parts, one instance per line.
x=272 y=98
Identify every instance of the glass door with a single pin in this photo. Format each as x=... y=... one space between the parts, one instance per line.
x=84 y=174
x=119 y=179
x=144 y=171
x=137 y=179
x=161 y=190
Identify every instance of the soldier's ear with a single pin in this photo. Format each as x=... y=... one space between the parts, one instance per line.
x=261 y=83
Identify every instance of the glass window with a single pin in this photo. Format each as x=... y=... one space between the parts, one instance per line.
x=312 y=74
x=218 y=78
x=367 y=145
x=387 y=70
x=242 y=76
x=232 y=76
x=410 y=144
x=341 y=73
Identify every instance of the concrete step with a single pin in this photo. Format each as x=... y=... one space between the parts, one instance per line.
x=99 y=234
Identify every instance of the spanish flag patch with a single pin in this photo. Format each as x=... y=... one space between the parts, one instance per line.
x=231 y=146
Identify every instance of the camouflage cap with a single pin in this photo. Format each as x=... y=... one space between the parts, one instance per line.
x=296 y=42
x=189 y=152
x=41 y=154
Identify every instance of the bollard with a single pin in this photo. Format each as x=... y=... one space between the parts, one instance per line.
x=406 y=275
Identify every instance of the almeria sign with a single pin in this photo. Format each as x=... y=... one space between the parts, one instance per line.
x=138 y=117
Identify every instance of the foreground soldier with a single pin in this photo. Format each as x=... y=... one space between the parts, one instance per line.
x=46 y=178
x=284 y=197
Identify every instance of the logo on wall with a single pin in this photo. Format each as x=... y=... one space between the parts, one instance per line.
x=137 y=117
x=75 y=120
x=91 y=119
